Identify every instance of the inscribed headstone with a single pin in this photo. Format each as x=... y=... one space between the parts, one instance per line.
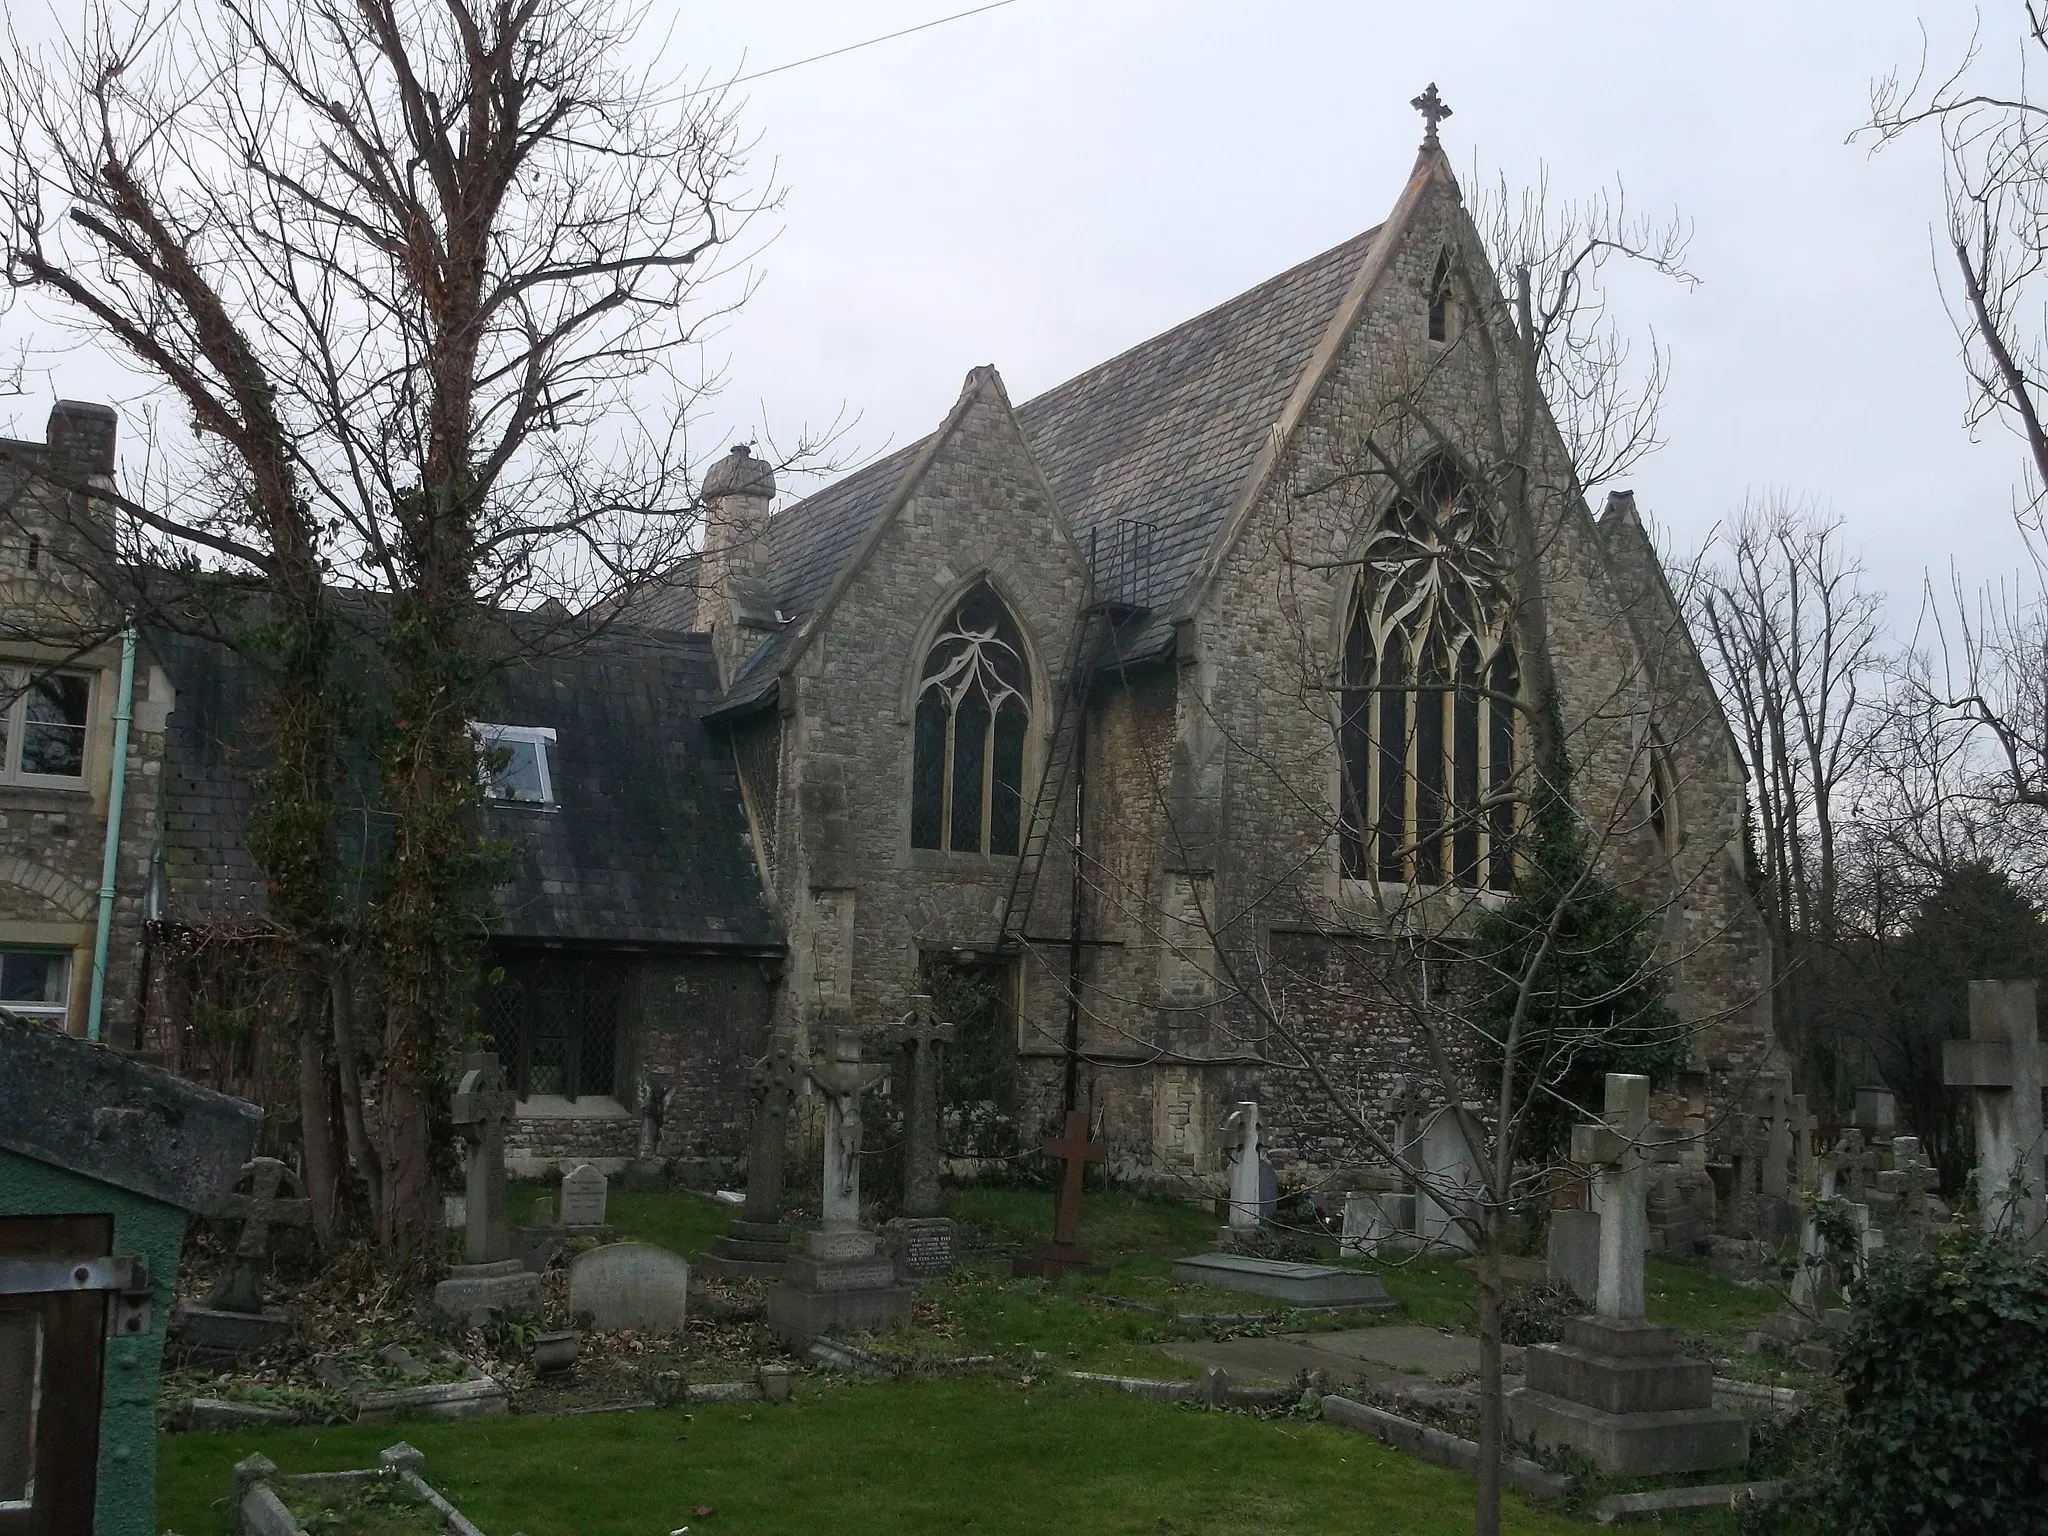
x=583 y=1197
x=630 y=1285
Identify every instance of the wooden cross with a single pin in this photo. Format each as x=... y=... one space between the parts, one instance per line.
x=1078 y=1151
x=241 y=1289
x=1434 y=109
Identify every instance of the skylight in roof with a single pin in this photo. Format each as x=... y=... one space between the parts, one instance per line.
x=516 y=762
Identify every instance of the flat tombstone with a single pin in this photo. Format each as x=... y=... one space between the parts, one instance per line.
x=583 y=1197
x=630 y=1285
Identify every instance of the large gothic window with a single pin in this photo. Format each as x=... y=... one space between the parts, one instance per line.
x=973 y=717
x=1430 y=678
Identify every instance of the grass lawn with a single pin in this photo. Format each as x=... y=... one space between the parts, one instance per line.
x=983 y=1455
x=684 y=1223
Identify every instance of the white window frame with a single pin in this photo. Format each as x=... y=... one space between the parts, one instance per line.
x=541 y=737
x=58 y=1012
x=20 y=676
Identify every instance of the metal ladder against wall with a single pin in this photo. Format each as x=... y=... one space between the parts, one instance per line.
x=1069 y=720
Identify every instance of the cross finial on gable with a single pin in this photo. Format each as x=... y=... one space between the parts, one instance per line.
x=1434 y=110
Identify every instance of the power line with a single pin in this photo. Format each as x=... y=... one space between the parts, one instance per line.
x=923 y=26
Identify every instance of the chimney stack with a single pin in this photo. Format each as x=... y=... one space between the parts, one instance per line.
x=733 y=600
x=81 y=439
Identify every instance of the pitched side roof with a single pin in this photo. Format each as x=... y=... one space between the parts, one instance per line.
x=1162 y=435
x=647 y=845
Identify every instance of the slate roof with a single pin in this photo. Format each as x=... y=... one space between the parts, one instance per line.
x=1164 y=434
x=647 y=845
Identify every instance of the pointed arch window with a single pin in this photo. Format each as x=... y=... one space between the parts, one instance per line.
x=1430 y=678
x=972 y=723
x=1661 y=794
x=1440 y=298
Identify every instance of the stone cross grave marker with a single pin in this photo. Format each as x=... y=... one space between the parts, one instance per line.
x=775 y=1080
x=1238 y=1138
x=922 y=1032
x=1615 y=1149
x=583 y=1197
x=1856 y=1165
x=2004 y=1063
x=259 y=1203
x=483 y=1109
x=1074 y=1146
x=843 y=1078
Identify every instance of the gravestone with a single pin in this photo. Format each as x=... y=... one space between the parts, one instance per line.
x=1376 y=1222
x=841 y=1279
x=234 y=1321
x=490 y=1280
x=1617 y=1390
x=647 y=1170
x=1450 y=1180
x=1573 y=1255
x=920 y=1240
x=584 y=1192
x=630 y=1285
x=1238 y=1139
x=1877 y=1113
x=103 y=1160
x=1298 y=1285
x=756 y=1243
x=1064 y=1255
x=2004 y=1064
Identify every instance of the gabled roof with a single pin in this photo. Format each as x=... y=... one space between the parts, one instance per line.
x=648 y=844
x=1164 y=434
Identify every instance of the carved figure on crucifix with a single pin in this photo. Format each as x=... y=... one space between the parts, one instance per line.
x=842 y=1077
x=482 y=1112
x=258 y=1203
x=2004 y=1064
x=653 y=1111
x=921 y=1032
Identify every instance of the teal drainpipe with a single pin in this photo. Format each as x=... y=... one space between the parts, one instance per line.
x=117 y=787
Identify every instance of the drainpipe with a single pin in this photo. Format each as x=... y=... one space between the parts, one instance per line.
x=124 y=712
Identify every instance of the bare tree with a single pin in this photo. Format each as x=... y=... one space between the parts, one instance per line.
x=1794 y=641
x=469 y=245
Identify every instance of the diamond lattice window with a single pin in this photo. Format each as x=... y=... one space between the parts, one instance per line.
x=1430 y=682
x=972 y=724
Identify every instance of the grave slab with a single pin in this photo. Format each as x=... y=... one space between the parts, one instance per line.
x=1300 y=1285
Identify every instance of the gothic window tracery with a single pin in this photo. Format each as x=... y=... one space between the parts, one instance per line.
x=1430 y=676
x=972 y=723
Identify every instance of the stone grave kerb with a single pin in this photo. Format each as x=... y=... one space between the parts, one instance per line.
x=2004 y=1064
x=482 y=1112
x=261 y=1207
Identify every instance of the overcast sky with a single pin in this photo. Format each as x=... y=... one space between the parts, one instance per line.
x=1043 y=185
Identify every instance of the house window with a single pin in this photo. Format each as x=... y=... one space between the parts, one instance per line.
x=42 y=732
x=973 y=717
x=36 y=983
x=1430 y=678
x=553 y=1020
x=516 y=762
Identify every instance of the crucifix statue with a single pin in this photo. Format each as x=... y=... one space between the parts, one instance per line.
x=922 y=1032
x=483 y=1109
x=842 y=1077
x=1239 y=1137
x=1434 y=109
x=263 y=1206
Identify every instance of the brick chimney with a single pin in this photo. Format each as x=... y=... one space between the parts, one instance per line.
x=733 y=600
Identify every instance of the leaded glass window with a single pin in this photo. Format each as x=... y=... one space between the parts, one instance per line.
x=1428 y=705
x=968 y=737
